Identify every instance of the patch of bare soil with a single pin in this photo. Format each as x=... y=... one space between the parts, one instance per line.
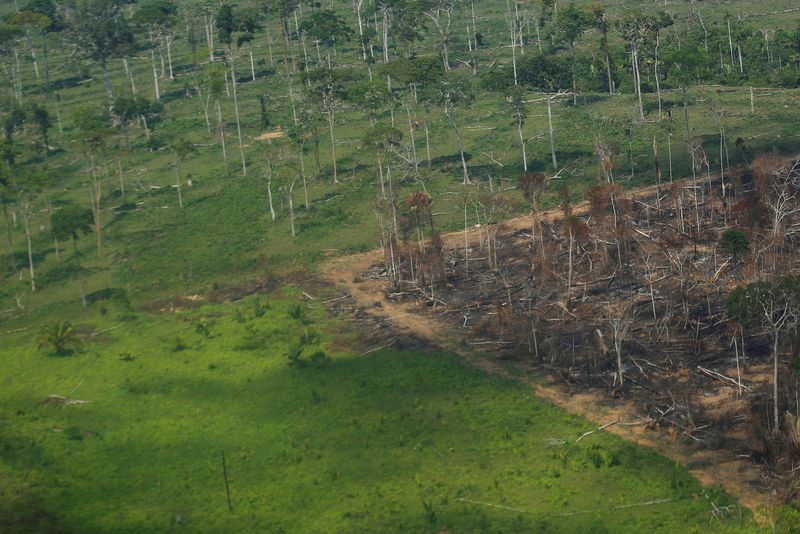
x=266 y=136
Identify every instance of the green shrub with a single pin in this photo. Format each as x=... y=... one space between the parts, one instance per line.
x=178 y=344
x=61 y=336
x=299 y=312
x=260 y=308
x=734 y=242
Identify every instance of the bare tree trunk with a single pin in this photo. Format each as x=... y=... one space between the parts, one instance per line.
x=411 y=137
x=303 y=174
x=775 y=411
x=460 y=149
x=252 y=62
x=178 y=182
x=269 y=194
x=512 y=26
x=550 y=129
x=106 y=82
x=98 y=221
x=129 y=74
x=522 y=144
x=26 y=215
x=236 y=112
x=428 y=142
x=333 y=143
x=221 y=131
x=569 y=268
x=637 y=80
x=169 y=57
x=121 y=179
x=155 y=73
x=269 y=45
x=291 y=207
x=385 y=36
x=658 y=83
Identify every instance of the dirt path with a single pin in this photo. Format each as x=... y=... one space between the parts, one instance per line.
x=736 y=475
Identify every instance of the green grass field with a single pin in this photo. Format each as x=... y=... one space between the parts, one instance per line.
x=389 y=442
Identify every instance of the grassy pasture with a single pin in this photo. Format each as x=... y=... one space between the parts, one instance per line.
x=388 y=442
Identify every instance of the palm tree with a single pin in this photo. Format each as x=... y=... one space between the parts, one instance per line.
x=61 y=336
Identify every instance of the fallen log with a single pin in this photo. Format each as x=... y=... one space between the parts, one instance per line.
x=722 y=378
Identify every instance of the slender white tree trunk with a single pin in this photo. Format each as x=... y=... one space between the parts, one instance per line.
x=550 y=129
x=155 y=72
x=236 y=112
x=169 y=57
x=291 y=207
x=25 y=217
x=221 y=131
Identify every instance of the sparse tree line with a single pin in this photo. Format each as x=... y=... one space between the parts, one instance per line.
x=420 y=58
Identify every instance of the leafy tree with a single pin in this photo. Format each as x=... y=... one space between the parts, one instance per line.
x=600 y=23
x=61 y=337
x=30 y=22
x=182 y=148
x=684 y=65
x=101 y=32
x=12 y=119
x=227 y=26
x=773 y=305
x=453 y=93
x=8 y=43
x=70 y=221
x=440 y=13
x=327 y=88
x=41 y=118
x=307 y=128
x=382 y=141
x=572 y=23
x=369 y=96
x=156 y=19
x=545 y=73
x=325 y=28
x=248 y=20
x=127 y=109
x=734 y=242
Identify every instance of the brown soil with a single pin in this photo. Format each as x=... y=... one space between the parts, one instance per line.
x=270 y=135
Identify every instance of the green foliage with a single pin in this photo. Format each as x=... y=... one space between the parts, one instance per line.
x=100 y=30
x=70 y=221
x=545 y=73
x=178 y=344
x=260 y=307
x=203 y=327
x=298 y=312
x=765 y=301
x=734 y=242
x=61 y=337
x=326 y=27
